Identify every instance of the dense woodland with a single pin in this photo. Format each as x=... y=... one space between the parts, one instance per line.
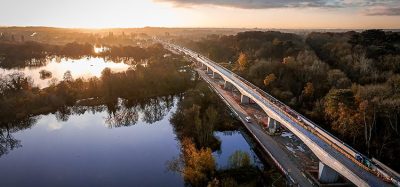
x=347 y=82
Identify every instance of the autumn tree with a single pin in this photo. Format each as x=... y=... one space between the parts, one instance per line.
x=340 y=109
x=374 y=100
x=308 y=90
x=242 y=63
x=269 y=79
x=288 y=60
x=196 y=165
x=354 y=75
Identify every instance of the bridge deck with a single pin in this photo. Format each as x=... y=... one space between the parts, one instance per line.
x=267 y=143
x=324 y=151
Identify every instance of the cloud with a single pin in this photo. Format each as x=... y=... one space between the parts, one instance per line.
x=257 y=4
x=369 y=7
x=383 y=11
x=54 y=126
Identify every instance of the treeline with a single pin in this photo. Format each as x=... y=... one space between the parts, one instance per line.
x=19 y=98
x=255 y=44
x=62 y=36
x=349 y=83
x=34 y=54
x=368 y=57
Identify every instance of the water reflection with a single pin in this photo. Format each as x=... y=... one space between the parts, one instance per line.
x=56 y=66
x=122 y=116
x=126 y=113
x=76 y=147
x=122 y=113
x=7 y=140
x=108 y=145
x=155 y=109
x=101 y=49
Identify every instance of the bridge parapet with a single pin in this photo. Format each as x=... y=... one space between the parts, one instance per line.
x=293 y=116
x=333 y=141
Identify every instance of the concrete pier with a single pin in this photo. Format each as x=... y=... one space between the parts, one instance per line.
x=327 y=174
x=244 y=99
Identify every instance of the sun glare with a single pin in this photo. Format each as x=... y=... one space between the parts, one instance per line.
x=127 y=14
x=169 y=13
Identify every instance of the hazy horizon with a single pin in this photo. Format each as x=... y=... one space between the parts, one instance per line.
x=160 y=27
x=263 y=14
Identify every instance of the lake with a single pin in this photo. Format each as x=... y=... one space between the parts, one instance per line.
x=99 y=146
x=85 y=67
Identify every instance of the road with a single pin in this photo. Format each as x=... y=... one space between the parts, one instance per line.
x=329 y=150
x=267 y=143
x=325 y=151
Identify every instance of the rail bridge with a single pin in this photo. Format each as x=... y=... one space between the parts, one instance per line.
x=335 y=157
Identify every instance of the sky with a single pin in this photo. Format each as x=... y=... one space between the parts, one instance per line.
x=279 y=14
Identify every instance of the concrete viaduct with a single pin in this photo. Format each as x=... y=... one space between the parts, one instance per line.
x=335 y=156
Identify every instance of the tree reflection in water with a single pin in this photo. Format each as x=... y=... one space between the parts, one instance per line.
x=120 y=113
x=63 y=113
x=196 y=165
x=155 y=109
x=199 y=168
x=126 y=113
x=7 y=141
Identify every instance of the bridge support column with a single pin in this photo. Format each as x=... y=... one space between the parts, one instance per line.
x=244 y=99
x=208 y=70
x=202 y=66
x=272 y=125
x=228 y=85
x=215 y=75
x=327 y=174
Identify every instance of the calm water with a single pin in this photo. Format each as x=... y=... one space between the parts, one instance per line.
x=129 y=147
x=84 y=67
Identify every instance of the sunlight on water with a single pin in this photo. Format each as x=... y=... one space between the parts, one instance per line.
x=84 y=67
x=100 y=49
